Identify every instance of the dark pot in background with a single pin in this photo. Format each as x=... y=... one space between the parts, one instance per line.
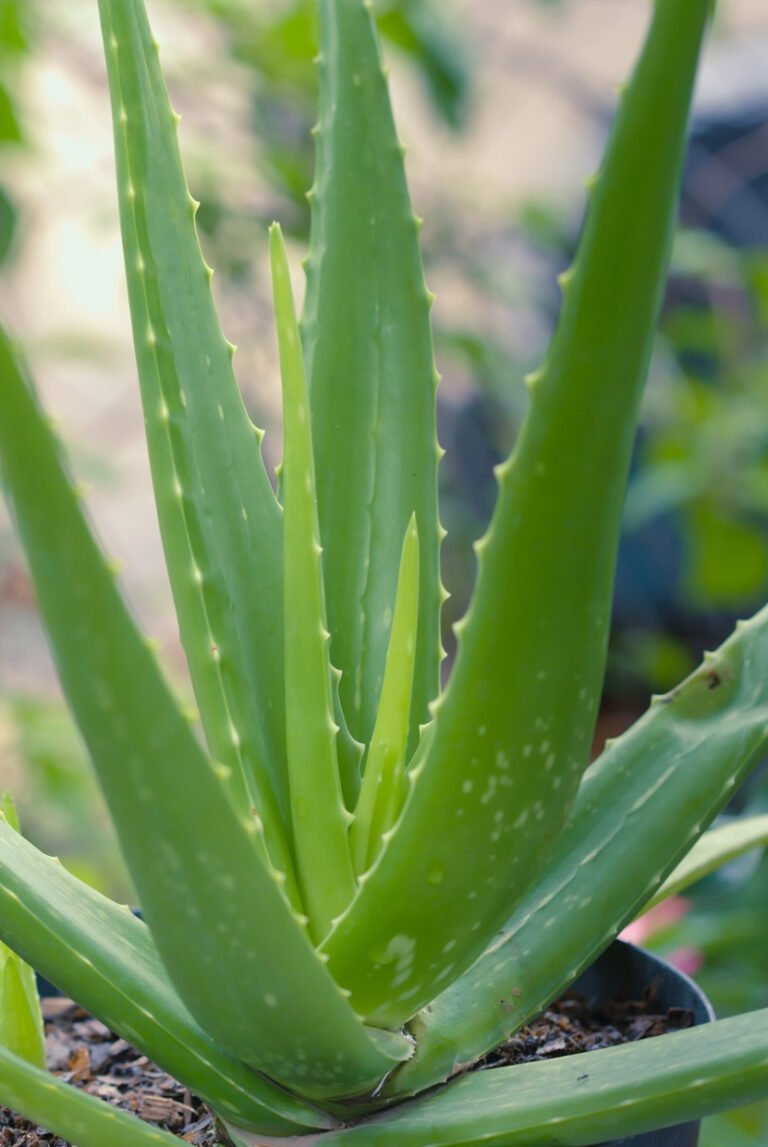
x=624 y=972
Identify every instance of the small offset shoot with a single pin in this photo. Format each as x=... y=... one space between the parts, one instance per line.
x=21 y=1021
x=355 y=880
x=384 y=781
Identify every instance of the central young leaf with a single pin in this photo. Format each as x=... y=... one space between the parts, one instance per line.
x=372 y=376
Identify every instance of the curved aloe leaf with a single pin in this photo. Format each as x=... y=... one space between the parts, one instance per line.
x=371 y=369
x=320 y=820
x=73 y=1114
x=99 y=954
x=714 y=849
x=220 y=522
x=511 y=734
x=664 y=781
x=206 y=893
x=578 y=1100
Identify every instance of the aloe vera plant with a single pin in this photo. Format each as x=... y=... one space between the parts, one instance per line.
x=354 y=884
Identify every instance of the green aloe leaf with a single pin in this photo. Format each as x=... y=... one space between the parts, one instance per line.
x=320 y=820
x=73 y=1114
x=99 y=954
x=511 y=734
x=663 y=781
x=714 y=849
x=579 y=1100
x=372 y=375
x=21 y=1025
x=220 y=522
x=384 y=786
x=21 y=1021
x=206 y=893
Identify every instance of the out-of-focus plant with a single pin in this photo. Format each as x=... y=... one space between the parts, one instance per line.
x=694 y=552
x=721 y=931
x=14 y=48
x=276 y=47
x=56 y=790
x=705 y=449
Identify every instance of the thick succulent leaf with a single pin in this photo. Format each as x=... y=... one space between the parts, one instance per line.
x=235 y=951
x=21 y=1025
x=220 y=522
x=714 y=849
x=71 y=1113
x=640 y=809
x=384 y=784
x=579 y=1100
x=511 y=734
x=320 y=820
x=371 y=369
x=99 y=954
x=21 y=1021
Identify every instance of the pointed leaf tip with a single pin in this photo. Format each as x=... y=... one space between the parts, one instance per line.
x=9 y=811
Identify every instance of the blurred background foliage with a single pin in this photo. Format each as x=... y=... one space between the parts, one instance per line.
x=15 y=45
x=694 y=552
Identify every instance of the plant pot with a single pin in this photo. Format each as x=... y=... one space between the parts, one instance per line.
x=622 y=972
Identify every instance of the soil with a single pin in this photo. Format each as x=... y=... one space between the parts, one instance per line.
x=84 y=1052
x=574 y=1024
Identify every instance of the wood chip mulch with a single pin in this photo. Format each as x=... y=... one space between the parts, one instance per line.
x=84 y=1052
x=574 y=1024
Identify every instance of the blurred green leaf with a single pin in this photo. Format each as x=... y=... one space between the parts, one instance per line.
x=8 y=220
x=421 y=31
x=729 y=558
x=10 y=129
x=62 y=807
x=746 y=1127
x=14 y=17
x=714 y=849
